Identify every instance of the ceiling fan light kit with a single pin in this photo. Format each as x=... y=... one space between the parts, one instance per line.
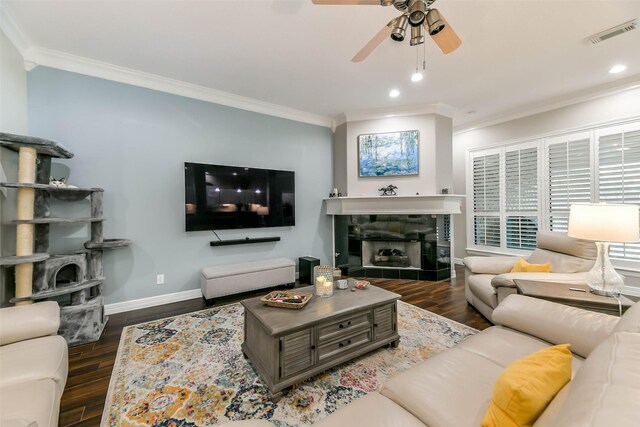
x=418 y=14
x=434 y=22
x=417 y=36
x=399 y=28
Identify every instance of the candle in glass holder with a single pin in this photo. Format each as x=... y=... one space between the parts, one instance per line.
x=323 y=280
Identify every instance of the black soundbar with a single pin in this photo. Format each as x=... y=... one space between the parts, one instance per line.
x=243 y=241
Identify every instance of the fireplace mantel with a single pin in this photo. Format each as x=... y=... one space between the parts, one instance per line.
x=363 y=205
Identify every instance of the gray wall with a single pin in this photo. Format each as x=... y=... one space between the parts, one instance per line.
x=434 y=153
x=601 y=110
x=13 y=119
x=133 y=142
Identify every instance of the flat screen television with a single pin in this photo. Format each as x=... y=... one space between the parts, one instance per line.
x=219 y=197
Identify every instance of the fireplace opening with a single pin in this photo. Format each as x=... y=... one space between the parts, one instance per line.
x=391 y=254
x=67 y=275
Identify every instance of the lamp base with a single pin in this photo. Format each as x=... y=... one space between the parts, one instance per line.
x=605 y=293
x=603 y=278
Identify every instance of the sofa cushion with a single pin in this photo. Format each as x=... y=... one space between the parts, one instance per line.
x=36 y=359
x=560 y=242
x=560 y=263
x=525 y=388
x=555 y=323
x=454 y=388
x=489 y=264
x=31 y=401
x=630 y=320
x=29 y=321
x=523 y=266
x=506 y=279
x=480 y=285
x=606 y=388
x=372 y=410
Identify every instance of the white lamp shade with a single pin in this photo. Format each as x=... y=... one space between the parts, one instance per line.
x=603 y=222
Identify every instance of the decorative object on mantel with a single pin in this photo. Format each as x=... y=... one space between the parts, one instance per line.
x=388 y=154
x=323 y=280
x=74 y=280
x=389 y=190
x=335 y=193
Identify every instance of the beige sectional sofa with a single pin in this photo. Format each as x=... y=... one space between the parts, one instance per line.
x=33 y=365
x=489 y=281
x=454 y=388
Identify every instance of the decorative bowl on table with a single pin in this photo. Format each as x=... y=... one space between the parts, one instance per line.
x=286 y=299
x=361 y=284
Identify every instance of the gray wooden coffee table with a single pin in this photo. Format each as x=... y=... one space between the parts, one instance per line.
x=288 y=346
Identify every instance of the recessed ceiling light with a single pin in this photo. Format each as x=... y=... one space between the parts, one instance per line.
x=416 y=77
x=394 y=93
x=617 y=69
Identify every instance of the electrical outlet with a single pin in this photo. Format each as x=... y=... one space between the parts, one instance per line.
x=160 y=279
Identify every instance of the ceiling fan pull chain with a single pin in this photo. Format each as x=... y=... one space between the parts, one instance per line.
x=424 y=57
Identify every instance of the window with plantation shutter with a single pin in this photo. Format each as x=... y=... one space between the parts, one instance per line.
x=568 y=167
x=618 y=151
x=521 y=197
x=486 y=200
x=520 y=188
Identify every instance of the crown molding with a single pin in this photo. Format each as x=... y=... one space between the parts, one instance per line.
x=400 y=111
x=104 y=70
x=612 y=88
x=12 y=30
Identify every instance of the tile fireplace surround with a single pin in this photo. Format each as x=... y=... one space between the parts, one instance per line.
x=401 y=237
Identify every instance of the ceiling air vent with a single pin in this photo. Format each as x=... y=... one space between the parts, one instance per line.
x=612 y=32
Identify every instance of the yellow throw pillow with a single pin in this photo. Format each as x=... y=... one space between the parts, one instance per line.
x=523 y=266
x=525 y=388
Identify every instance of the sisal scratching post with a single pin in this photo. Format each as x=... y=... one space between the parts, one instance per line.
x=24 y=232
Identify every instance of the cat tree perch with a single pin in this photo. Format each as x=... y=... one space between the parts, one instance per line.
x=73 y=280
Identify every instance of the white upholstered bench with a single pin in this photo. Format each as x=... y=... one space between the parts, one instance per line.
x=221 y=280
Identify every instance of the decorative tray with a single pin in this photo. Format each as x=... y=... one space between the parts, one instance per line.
x=286 y=299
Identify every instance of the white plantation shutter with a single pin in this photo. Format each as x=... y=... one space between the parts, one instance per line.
x=521 y=197
x=521 y=188
x=568 y=166
x=486 y=200
x=618 y=153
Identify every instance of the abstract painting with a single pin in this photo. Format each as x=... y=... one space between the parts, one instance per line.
x=388 y=154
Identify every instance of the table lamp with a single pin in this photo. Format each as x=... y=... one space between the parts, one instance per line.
x=604 y=223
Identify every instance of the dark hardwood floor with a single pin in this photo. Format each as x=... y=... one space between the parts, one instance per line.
x=90 y=365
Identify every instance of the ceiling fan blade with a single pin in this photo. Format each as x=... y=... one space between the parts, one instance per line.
x=345 y=2
x=375 y=41
x=447 y=39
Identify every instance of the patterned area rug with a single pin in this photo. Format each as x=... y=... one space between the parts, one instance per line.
x=188 y=371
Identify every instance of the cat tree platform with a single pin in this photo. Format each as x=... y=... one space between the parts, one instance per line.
x=67 y=194
x=74 y=280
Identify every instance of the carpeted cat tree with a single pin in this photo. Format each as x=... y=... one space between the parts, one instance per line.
x=73 y=280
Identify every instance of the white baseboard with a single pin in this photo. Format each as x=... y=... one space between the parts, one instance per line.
x=136 y=304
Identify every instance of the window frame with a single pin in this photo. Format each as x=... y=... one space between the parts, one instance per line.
x=542 y=142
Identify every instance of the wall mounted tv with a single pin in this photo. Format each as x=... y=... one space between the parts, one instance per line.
x=219 y=197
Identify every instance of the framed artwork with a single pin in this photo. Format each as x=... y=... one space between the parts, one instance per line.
x=388 y=154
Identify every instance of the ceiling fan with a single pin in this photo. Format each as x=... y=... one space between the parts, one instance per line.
x=417 y=14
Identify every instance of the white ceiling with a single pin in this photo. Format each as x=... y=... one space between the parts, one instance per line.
x=515 y=53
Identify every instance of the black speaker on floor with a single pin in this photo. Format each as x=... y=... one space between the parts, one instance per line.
x=306 y=264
